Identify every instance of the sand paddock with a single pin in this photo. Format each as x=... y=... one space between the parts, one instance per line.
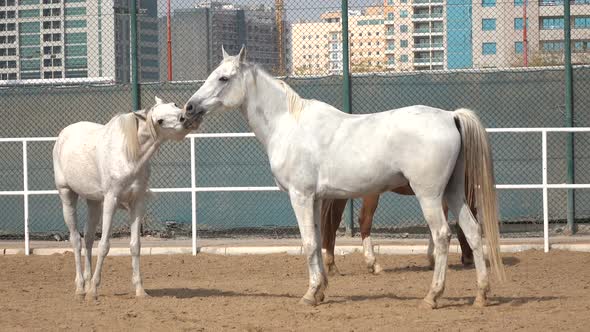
x=261 y=293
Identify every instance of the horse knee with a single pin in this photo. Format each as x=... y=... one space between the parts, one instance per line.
x=135 y=248
x=104 y=247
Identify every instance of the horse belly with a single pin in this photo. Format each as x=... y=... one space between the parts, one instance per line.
x=358 y=183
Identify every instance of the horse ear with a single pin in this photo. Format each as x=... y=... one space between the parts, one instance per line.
x=158 y=101
x=141 y=114
x=242 y=55
x=225 y=55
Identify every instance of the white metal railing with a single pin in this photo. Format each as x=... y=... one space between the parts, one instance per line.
x=194 y=189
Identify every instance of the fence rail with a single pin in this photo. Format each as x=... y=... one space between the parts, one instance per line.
x=544 y=185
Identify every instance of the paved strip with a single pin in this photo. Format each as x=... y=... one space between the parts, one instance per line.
x=292 y=250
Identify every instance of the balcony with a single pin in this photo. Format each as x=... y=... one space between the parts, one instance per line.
x=428 y=31
x=427 y=17
x=430 y=46
x=427 y=62
x=419 y=3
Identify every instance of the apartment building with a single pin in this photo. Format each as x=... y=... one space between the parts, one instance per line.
x=46 y=39
x=500 y=40
x=316 y=47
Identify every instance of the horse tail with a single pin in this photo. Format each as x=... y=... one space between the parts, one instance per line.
x=480 y=183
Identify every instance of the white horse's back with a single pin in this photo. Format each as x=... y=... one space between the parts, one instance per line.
x=74 y=159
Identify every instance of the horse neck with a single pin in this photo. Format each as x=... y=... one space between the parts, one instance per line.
x=266 y=105
x=147 y=144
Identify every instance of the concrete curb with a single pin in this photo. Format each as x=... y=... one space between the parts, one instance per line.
x=293 y=250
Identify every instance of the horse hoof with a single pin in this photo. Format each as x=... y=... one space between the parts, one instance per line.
x=320 y=297
x=308 y=302
x=467 y=261
x=91 y=297
x=333 y=271
x=480 y=302
x=377 y=269
x=428 y=304
x=141 y=294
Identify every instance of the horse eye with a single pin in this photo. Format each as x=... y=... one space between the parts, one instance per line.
x=160 y=121
x=224 y=79
x=175 y=105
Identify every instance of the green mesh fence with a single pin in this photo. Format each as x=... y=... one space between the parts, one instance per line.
x=62 y=62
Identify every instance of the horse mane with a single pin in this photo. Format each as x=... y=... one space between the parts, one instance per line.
x=130 y=126
x=295 y=104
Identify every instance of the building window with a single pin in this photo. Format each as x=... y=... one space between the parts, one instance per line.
x=403 y=43
x=52 y=74
x=390 y=30
x=552 y=46
x=403 y=28
x=403 y=13
x=582 y=22
x=28 y=2
x=51 y=25
x=75 y=24
x=518 y=23
x=518 y=3
x=29 y=27
x=391 y=60
x=390 y=16
x=518 y=48
x=488 y=24
x=52 y=62
x=390 y=2
x=488 y=3
x=581 y=46
x=75 y=11
x=28 y=13
x=488 y=49
x=403 y=58
x=551 y=23
x=390 y=45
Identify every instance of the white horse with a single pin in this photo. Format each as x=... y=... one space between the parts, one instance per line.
x=318 y=152
x=108 y=165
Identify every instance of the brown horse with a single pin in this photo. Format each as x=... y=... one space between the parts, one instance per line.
x=332 y=210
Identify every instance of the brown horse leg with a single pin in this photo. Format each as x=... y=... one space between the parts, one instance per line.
x=331 y=215
x=370 y=203
x=466 y=253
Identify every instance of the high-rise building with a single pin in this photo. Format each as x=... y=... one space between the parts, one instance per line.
x=198 y=34
x=500 y=39
x=316 y=47
x=44 y=39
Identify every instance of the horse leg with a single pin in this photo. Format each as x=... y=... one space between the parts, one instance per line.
x=430 y=250
x=472 y=231
x=136 y=213
x=89 y=234
x=108 y=210
x=69 y=200
x=331 y=216
x=441 y=236
x=307 y=210
x=466 y=253
x=370 y=203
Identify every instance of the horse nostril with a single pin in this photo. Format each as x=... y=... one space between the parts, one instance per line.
x=182 y=119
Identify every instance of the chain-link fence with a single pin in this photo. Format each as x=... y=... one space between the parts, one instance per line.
x=64 y=61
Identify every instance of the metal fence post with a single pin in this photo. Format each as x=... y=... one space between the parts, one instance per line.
x=346 y=102
x=569 y=117
x=26 y=197
x=133 y=45
x=193 y=198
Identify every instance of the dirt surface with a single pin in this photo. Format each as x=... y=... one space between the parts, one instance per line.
x=261 y=293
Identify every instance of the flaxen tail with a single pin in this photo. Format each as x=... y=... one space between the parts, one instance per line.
x=479 y=171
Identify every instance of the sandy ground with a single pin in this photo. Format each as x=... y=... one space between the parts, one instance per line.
x=261 y=293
